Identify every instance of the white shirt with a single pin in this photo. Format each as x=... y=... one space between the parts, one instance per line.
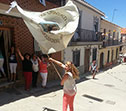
x=35 y=65
x=70 y=85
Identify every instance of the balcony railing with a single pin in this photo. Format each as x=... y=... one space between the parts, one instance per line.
x=111 y=43
x=92 y=37
x=83 y=35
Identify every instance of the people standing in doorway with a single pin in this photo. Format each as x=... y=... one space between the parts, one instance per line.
x=13 y=64
x=68 y=82
x=93 y=68
x=35 y=68
x=1 y=65
x=27 y=69
x=43 y=64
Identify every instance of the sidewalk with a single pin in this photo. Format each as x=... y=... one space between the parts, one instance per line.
x=50 y=84
x=105 y=93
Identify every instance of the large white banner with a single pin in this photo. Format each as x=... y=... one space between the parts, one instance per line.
x=52 y=29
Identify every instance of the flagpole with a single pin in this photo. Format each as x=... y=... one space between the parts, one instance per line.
x=55 y=69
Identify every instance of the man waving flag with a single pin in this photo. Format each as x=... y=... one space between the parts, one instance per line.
x=52 y=29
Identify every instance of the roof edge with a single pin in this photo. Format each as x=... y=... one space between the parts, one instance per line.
x=90 y=7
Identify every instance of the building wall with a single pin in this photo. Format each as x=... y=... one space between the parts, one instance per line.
x=110 y=26
x=32 y=5
x=86 y=22
x=105 y=52
x=68 y=55
x=87 y=18
x=21 y=36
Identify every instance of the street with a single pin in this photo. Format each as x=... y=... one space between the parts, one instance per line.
x=107 y=92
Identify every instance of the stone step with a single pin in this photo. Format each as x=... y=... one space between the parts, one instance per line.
x=5 y=85
x=3 y=80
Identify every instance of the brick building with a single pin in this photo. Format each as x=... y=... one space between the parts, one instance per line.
x=13 y=31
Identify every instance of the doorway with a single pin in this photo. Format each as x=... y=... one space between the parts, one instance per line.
x=101 y=60
x=87 y=60
x=5 y=44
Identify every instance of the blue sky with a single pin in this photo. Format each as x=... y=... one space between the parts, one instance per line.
x=108 y=6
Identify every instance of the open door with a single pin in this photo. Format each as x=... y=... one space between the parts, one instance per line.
x=87 y=60
x=5 y=44
x=101 y=60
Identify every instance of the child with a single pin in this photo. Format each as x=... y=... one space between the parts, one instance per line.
x=13 y=64
x=43 y=64
x=68 y=82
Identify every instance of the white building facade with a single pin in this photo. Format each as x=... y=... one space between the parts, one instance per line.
x=86 y=42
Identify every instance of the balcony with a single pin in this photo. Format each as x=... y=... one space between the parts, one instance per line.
x=86 y=37
x=111 y=42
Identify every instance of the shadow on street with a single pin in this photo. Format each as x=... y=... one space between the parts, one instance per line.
x=16 y=93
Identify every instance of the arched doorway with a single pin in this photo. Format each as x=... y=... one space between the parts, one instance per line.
x=101 y=60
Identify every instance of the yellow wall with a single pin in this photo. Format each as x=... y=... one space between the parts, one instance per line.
x=105 y=51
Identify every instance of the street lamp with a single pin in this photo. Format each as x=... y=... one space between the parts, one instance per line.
x=113 y=14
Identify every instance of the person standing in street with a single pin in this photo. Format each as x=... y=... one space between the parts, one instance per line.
x=93 y=68
x=68 y=82
x=1 y=65
x=27 y=69
x=43 y=64
x=35 y=68
x=13 y=64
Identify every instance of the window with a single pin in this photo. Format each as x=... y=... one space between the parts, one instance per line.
x=76 y=58
x=108 y=57
x=117 y=35
x=113 y=35
x=109 y=34
x=112 y=55
x=104 y=33
x=96 y=23
x=94 y=54
x=116 y=53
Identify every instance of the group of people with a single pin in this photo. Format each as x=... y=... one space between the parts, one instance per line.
x=33 y=65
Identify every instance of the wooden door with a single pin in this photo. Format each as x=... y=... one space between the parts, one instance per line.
x=87 y=60
x=101 y=60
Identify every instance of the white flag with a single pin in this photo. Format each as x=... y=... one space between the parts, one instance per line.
x=42 y=2
x=52 y=29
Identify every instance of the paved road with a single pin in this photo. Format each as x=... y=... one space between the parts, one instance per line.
x=105 y=93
